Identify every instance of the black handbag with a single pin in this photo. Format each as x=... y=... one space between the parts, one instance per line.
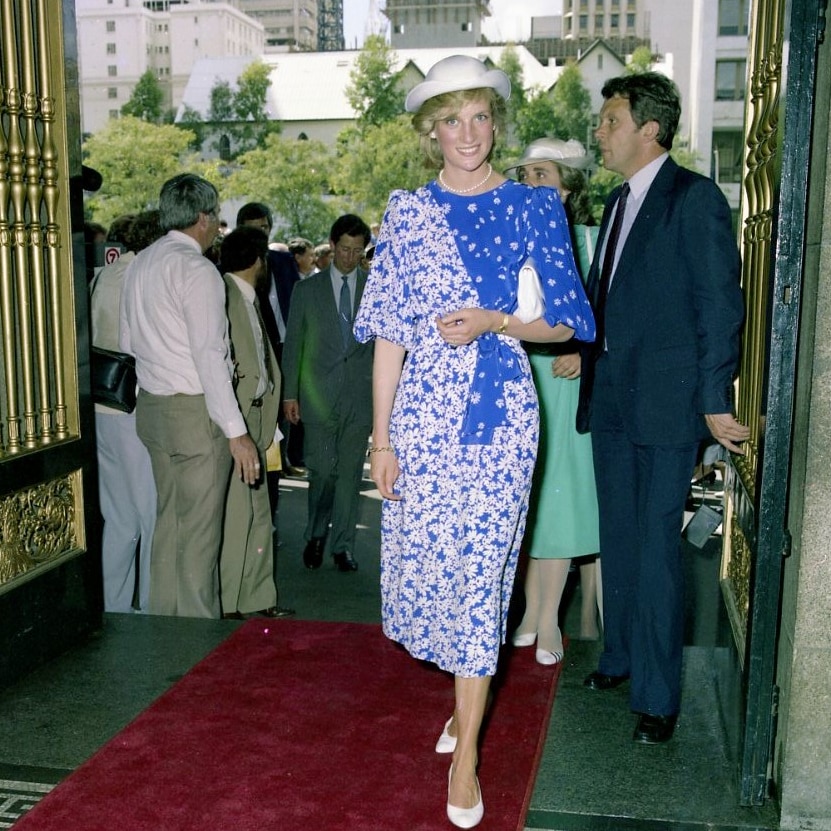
x=114 y=379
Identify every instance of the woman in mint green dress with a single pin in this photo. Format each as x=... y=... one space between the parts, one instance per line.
x=562 y=521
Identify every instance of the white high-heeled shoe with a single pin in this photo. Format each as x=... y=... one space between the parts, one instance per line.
x=526 y=639
x=465 y=817
x=548 y=659
x=446 y=742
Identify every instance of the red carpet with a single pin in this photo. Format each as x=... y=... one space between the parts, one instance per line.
x=304 y=726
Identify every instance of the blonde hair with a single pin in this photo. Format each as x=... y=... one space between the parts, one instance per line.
x=443 y=106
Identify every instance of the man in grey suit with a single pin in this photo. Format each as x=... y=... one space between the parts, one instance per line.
x=327 y=378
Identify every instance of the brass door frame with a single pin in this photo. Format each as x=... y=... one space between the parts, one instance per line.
x=779 y=115
x=49 y=563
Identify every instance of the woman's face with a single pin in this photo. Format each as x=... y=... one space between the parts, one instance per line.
x=545 y=174
x=466 y=137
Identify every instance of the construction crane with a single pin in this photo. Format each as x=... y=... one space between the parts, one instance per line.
x=330 y=26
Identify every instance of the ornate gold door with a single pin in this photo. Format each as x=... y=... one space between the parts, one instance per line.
x=782 y=69
x=49 y=583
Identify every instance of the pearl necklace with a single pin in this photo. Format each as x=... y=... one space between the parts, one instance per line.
x=465 y=190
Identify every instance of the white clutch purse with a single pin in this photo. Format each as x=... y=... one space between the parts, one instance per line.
x=530 y=303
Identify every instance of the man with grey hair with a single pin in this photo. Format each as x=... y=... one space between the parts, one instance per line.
x=173 y=320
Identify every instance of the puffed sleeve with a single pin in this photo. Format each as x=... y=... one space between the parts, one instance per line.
x=385 y=310
x=549 y=243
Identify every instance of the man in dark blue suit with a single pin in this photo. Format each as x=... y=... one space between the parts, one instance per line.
x=665 y=284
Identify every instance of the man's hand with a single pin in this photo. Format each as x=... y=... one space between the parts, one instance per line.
x=291 y=410
x=246 y=459
x=727 y=431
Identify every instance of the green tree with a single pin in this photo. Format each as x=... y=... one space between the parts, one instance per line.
x=192 y=120
x=373 y=91
x=291 y=176
x=641 y=61
x=241 y=114
x=133 y=179
x=537 y=118
x=146 y=101
x=509 y=63
x=572 y=106
x=375 y=162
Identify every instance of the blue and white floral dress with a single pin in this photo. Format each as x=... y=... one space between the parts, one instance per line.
x=465 y=420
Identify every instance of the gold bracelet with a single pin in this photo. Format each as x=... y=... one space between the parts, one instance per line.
x=380 y=450
x=505 y=321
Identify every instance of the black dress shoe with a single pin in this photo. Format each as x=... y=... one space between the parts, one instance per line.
x=313 y=552
x=654 y=729
x=345 y=561
x=233 y=616
x=272 y=611
x=600 y=681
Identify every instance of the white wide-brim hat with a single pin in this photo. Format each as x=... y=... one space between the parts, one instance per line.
x=567 y=153
x=454 y=74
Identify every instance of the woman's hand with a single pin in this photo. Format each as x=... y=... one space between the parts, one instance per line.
x=566 y=366
x=384 y=471
x=465 y=325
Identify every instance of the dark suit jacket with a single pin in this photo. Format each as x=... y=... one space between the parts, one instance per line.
x=247 y=365
x=315 y=370
x=673 y=313
x=283 y=275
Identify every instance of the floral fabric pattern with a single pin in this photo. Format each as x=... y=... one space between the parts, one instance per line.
x=465 y=420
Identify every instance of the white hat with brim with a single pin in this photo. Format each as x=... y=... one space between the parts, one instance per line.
x=454 y=74
x=567 y=153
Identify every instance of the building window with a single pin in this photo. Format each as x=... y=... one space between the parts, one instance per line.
x=112 y=71
x=732 y=17
x=598 y=23
x=583 y=25
x=600 y=61
x=728 y=150
x=467 y=27
x=111 y=49
x=730 y=80
x=630 y=22
x=614 y=22
x=398 y=28
x=114 y=114
x=112 y=92
x=224 y=148
x=110 y=25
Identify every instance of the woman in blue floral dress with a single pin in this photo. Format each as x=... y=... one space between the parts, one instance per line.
x=455 y=412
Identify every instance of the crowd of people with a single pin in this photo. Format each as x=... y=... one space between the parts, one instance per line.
x=570 y=432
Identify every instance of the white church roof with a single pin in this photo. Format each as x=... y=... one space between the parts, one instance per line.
x=310 y=86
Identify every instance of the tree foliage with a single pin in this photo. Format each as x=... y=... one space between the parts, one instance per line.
x=537 y=118
x=240 y=114
x=372 y=164
x=146 y=101
x=291 y=176
x=572 y=106
x=373 y=91
x=510 y=64
x=641 y=61
x=135 y=158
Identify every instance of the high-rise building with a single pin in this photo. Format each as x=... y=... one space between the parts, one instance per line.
x=330 y=25
x=290 y=25
x=430 y=23
x=119 y=40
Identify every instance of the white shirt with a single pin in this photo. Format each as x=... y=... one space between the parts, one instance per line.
x=248 y=293
x=639 y=184
x=337 y=282
x=173 y=320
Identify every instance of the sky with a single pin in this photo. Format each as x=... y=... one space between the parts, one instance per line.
x=509 y=20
